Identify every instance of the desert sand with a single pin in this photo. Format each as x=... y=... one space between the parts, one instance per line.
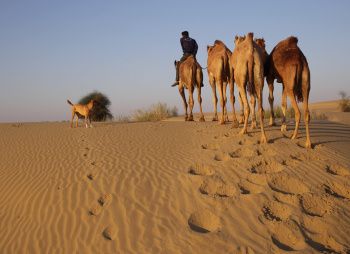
x=173 y=187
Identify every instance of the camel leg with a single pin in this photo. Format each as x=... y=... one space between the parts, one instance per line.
x=241 y=115
x=284 y=109
x=201 y=119
x=222 y=100
x=252 y=107
x=306 y=118
x=215 y=98
x=182 y=93
x=245 y=107
x=271 y=100
x=191 y=102
x=72 y=120
x=225 y=100
x=76 y=122
x=261 y=116
x=232 y=98
x=297 y=113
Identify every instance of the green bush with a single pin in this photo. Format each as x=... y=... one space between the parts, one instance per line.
x=100 y=112
x=156 y=112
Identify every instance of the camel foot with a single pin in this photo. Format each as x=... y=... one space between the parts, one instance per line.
x=222 y=122
x=186 y=118
x=283 y=127
x=215 y=118
x=202 y=119
x=263 y=139
x=243 y=131
x=253 y=126
x=308 y=144
x=272 y=122
x=190 y=118
x=294 y=136
x=235 y=124
x=241 y=121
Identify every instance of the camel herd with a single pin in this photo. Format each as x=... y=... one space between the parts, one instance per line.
x=247 y=66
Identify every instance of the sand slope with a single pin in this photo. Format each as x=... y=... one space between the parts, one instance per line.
x=172 y=187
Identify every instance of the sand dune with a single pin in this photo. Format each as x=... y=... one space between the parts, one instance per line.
x=173 y=187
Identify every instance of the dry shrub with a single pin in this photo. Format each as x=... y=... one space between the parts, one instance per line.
x=156 y=112
x=344 y=103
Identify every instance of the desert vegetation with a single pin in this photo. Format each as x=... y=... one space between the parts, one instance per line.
x=100 y=111
x=155 y=112
x=344 y=103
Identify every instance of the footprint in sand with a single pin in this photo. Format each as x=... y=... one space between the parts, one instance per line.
x=316 y=205
x=266 y=166
x=288 y=199
x=103 y=202
x=313 y=225
x=200 y=169
x=216 y=187
x=204 y=221
x=210 y=147
x=337 y=169
x=222 y=157
x=246 y=152
x=286 y=236
x=91 y=176
x=275 y=211
x=247 y=187
x=325 y=243
x=110 y=232
x=284 y=183
x=259 y=179
x=338 y=190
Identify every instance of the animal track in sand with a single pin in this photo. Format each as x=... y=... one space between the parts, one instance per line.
x=316 y=205
x=337 y=169
x=200 y=169
x=249 y=188
x=338 y=190
x=91 y=176
x=259 y=179
x=222 y=157
x=105 y=200
x=96 y=209
x=313 y=225
x=204 y=221
x=216 y=187
x=245 y=152
x=286 y=184
x=266 y=166
x=275 y=211
x=287 y=237
x=210 y=147
x=284 y=198
x=110 y=232
x=325 y=243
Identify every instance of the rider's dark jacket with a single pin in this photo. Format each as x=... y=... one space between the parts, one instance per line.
x=189 y=46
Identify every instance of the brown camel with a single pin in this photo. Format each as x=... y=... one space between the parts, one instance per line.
x=191 y=76
x=261 y=43
x=289 y=66
x=246 y=62
x=219 y=76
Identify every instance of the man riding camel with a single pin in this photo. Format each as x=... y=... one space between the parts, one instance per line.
x=189 y=48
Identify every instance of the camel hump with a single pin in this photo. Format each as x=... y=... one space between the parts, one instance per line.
x=292 y=40
x=218 y=42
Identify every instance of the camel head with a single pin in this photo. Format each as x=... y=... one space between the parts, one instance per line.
x=239 y=39
x=260 y=42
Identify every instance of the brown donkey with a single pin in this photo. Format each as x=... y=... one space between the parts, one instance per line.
x=289 y=66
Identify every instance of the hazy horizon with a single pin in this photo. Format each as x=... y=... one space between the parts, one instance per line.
x=54 y=51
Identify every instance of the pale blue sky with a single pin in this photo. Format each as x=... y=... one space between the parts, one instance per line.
x=51 y=51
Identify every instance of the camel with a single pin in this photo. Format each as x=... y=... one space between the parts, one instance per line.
x=261 y=43
x=219 y=76
x=246 y=62
x=191 y=76
x=289 y=66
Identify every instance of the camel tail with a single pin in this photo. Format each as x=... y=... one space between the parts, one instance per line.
x=250 y=87
x=298 y=83
x=69 y=102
